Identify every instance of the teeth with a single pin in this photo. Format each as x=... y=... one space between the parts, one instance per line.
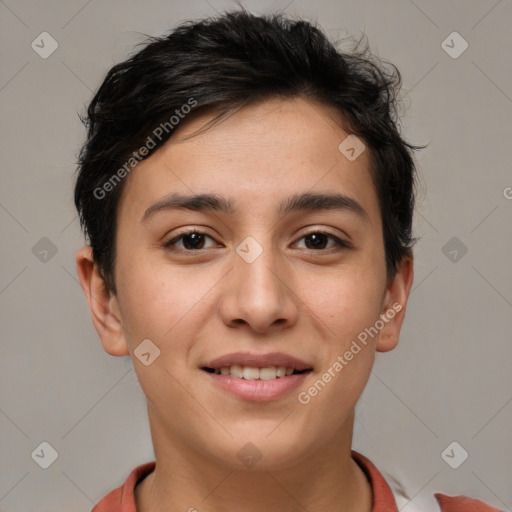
x=268 y=373
x=251 y=373
x=236 y=371
x=281 y=371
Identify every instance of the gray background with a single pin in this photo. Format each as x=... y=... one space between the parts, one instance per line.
x=449 y=379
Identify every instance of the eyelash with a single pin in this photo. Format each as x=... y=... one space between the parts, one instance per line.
x=342 y=245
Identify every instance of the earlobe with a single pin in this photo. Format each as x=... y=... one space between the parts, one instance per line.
x=395 y=304
x=103 y=305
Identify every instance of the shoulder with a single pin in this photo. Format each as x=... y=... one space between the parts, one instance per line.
x=462 y=504
x=384 y=500
x=122 y=499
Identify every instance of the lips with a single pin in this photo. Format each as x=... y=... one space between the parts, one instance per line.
x=275 y=359
x=257 y=377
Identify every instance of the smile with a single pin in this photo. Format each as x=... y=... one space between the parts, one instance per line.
x=254 y=373
x=257 y=377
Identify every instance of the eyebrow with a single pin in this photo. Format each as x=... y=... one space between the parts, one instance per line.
x=307 y=201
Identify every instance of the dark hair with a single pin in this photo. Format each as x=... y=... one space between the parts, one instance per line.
x=223 y=64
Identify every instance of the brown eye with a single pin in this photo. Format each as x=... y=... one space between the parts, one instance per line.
x=318 y=240
x=190 y=241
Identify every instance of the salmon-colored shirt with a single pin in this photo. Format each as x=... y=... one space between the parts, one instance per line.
x=122 y=499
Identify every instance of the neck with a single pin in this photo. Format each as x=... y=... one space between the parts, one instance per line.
x=183 y=479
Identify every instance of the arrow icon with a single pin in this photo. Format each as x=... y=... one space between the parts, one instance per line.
x=44 y=250
x=249 y=253
x=351 y=147
x=454 y=249
x=454 y=455
x=454 y=45
x=147 y=352
x=44 y=455
x=249 y=455
x=44 y=45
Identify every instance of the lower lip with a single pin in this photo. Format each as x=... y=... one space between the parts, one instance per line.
x=258 y=390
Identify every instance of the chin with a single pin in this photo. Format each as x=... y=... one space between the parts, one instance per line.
x=263 y=448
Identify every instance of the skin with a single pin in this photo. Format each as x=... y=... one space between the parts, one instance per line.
x=294 y=298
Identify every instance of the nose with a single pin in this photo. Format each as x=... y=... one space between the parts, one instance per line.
x=259 y=295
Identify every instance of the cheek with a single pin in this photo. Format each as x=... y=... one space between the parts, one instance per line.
x=151 y=303
x=161 y=302
x=348 y=300
x=347 y=356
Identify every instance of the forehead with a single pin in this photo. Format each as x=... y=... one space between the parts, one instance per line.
x=256 y=157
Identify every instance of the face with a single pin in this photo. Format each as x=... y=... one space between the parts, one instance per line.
x=278 y=267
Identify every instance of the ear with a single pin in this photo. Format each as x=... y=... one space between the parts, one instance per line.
x=394 y=305
x=103 y=304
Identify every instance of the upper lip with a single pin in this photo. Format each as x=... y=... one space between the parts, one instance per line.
x=258 y=361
